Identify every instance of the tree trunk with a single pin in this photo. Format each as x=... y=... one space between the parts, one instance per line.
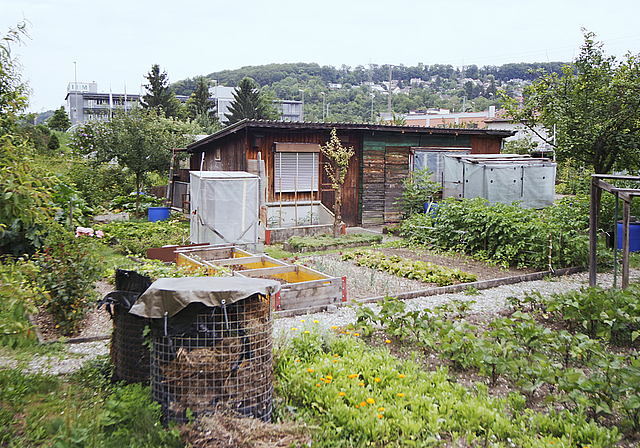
x=137 y=196
x=336 y=208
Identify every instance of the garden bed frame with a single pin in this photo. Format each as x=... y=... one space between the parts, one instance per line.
x=303 y=287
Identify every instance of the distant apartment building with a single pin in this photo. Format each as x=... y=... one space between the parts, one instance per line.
x=223 y=97
x=84 y=103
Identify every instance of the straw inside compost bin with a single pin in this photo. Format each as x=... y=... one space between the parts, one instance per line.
x=217 y=361
x=213 y=347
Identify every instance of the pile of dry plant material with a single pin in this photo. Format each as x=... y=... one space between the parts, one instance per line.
x=236 y=370
x=226 y=429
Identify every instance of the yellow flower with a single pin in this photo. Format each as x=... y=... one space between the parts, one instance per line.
x=348 y=332
x=310 y=370
x=400 y=394
x=388 y=341
x=380 y=416
x=327 y=381
x=371 y=400
x=329 y=377
x=302 y=320
x=335 y=360
x=341 y=394
x=401 y=375
x=317 y=385
x=360 y=384
x=294 y=329
x=356 y=334
x=363 y=404
x=315 y=322
x=357 y=406
x=333 y=327
x=353 y=375
x=297 y=360
x=322 y=379
x=377 y=380
x=335 y=356
x=380 y=409
x=306 y=332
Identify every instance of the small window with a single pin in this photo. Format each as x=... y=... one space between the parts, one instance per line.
x=296 y=171
x=216 y=155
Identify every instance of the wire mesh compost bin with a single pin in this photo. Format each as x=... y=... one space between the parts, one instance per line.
x=129 y=354
x=212 y=345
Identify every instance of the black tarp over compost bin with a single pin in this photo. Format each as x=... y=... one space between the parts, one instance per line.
x=129 y=354
x=212 y=344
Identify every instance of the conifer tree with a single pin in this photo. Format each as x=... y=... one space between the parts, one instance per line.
x=249 y=103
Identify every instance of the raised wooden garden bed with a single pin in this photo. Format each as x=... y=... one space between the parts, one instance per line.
x=302 y=288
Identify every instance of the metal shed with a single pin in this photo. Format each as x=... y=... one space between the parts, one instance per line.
x=503 y=178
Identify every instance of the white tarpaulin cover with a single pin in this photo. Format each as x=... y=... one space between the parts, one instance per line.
x=174 y=294
x=224 y=207
x=503 y=178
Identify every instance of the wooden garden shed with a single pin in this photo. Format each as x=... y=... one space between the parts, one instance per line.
x=293 y=162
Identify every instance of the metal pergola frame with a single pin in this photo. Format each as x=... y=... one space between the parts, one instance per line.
x=626 y=194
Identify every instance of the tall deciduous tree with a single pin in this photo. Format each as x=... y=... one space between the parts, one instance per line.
x=59 y=121
x=13 y=92
x=336 y=169
x=249 y=102
x=140 y=141
x=594 y=107
x=160 y=95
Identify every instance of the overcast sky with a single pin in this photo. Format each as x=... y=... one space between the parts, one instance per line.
x=115 y=42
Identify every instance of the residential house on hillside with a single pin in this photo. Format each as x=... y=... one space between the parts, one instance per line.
x=384 y=156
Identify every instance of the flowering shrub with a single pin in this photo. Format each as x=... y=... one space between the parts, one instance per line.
x=68 y=270
x=88 y=231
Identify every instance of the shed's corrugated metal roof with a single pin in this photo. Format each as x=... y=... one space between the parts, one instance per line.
x=319 y=126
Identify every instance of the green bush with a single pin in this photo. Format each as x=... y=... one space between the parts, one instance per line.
x=17 y=299
x=68 y=270
x=134 y=237
x=418 y=189
x=506 y=234
x=99 y=184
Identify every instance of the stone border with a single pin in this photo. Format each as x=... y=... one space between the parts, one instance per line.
x=479 y=285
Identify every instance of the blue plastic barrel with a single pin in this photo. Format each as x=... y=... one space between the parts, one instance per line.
x=634 y=236
x=159 y=213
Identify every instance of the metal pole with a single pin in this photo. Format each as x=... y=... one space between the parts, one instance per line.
x=389 y=111
x=75 y=87
x=615 y=244
x=322 y=93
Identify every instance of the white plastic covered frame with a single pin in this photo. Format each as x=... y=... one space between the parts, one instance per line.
x=224 y=207
x=503 y=178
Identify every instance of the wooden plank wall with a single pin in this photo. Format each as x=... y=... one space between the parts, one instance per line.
x=373 y=183
x=385 y=163
x=395 y=171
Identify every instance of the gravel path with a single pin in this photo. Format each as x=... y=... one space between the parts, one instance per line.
x=487 y=301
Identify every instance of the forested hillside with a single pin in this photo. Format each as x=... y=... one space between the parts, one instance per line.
x=360 y=93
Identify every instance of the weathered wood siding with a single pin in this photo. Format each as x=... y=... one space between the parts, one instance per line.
x=235 y=151
x=385 y=164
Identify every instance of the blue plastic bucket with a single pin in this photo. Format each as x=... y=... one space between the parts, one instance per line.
x=634 y=236
x=159 y=213
x=431 y=208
